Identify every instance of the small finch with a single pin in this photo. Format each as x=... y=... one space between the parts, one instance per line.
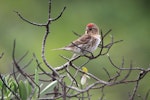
x=87 y=43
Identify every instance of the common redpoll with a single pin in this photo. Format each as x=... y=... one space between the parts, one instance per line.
x=87 y=43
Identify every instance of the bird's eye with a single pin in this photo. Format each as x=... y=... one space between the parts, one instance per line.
x=90 y=29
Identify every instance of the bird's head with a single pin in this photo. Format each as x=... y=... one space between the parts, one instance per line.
x=92 y=29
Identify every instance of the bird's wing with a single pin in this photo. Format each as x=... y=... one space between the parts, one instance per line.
x=84 y=39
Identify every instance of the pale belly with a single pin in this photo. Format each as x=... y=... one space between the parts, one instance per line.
x=88 y=48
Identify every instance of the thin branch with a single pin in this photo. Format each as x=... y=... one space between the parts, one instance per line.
x=46 y=34
x=22 y=67
x=107 y=33
x=88 y=95
x=147 y=94
x=49 y=9
x=43 y=54
x=20 y=70
x=23 y=57
x=112 y=63
x=110 y=44
x=24 y=19
x=15 y=77
x=90 y=75
x=103 y=94
x=84 y=90
x=107 y=73
x=71 y=77
x=83 y=50
x=134 y=91
x=59 y=14
x=66 y=64
x=38 y=64
x=76 y=34
x=45 y=38
x=129 y=72
x=64 y=91
x=15 y=62
x=57 y=75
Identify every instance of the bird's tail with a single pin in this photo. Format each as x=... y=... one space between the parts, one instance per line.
x=59 y=49
x=64 y=48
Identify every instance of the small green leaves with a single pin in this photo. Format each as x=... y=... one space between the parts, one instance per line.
x=28 y=88
x=49 y=87
x=36 y=80
x=22 y=90
x=36 y=76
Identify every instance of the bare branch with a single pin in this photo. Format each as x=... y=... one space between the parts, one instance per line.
x=107 y=33
x=112 y=63
x=71 y=88
x=20 y=70
x=24 y=19
x=147 y=94
x=43 y=54
x=107 y=73
x=65 y=65
x=91 y=75
x=134 y=91
x=59 y=14
x=76 y=34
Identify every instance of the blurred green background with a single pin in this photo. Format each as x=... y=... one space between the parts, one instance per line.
x=128 y=19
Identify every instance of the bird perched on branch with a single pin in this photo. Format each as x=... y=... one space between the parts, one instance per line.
x=87 y=43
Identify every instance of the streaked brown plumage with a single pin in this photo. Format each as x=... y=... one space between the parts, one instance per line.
x=87 y=43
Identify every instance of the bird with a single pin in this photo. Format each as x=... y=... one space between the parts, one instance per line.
x=87 y=43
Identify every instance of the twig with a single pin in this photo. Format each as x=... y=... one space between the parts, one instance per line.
x=76 y=34
x=91 y=75
x=66 y=64
x=23 y=57
x=147 y=94
x=71 y=77
x=64 y=91
x=54 y=19
x=107 y=73
x=20 y=70
x=134 y=91
x=57 y=75
x=46 y=35
x=107 y=33
x=112 y=63
x=24 y=19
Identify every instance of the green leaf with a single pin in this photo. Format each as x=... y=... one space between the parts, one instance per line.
x=36 y=80
x=6 y=79
x=28 y=87
x=18 y=76
x=49 y=87
x=22 y=91
x=14 y=84
x=1 y=84
x=36 y=76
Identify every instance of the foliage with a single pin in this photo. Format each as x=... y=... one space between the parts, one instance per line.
x=69 y=80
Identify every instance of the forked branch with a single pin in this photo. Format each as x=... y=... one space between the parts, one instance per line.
x=66 y=85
